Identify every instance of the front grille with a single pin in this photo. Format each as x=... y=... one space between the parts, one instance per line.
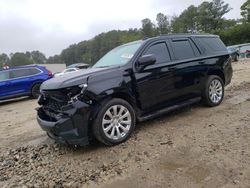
x=52 y=102
x=54 y=106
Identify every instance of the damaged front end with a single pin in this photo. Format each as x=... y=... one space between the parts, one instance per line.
x=64 y=114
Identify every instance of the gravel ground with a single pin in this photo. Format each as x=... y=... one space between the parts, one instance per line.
x=191 y=147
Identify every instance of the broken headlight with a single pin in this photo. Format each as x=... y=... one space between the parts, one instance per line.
x=79 y=94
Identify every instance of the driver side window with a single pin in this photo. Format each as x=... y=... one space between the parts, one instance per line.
x=160 y=51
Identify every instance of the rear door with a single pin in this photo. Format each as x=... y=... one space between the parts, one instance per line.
x=189 y=70
x=22 y=80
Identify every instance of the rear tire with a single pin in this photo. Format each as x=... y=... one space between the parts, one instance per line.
x=35 y=91
x=114 y=122
x=236 y=58
x=213 y=93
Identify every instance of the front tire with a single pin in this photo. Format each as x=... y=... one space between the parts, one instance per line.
x=114 y=122
x=213 y=93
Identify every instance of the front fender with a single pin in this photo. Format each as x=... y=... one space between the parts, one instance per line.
x=110 y=83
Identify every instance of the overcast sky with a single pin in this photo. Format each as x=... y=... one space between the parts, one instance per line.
x=52 y=25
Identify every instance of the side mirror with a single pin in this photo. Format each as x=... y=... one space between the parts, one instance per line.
x=145 y=61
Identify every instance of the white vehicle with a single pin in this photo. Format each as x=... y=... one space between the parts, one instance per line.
x=66 y=71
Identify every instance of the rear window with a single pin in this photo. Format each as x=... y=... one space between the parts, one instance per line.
x=211 y=44
x=182 y=49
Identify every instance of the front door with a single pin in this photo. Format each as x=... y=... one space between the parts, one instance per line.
x=156 y=83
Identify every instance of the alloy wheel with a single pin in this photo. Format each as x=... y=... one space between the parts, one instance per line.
x=116 y=122
x=215 y=91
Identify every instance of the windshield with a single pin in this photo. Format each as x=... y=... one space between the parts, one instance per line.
x=118 y=56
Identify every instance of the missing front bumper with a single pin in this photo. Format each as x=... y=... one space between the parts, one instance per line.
x=70 y=128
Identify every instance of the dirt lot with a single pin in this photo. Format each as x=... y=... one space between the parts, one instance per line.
x=192 y=147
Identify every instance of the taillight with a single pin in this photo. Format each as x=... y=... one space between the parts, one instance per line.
x=50 y=73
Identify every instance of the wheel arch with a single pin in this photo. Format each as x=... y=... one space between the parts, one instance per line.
x=96 y=108
x=120 y=95
x=35 y=83
x=217 y=73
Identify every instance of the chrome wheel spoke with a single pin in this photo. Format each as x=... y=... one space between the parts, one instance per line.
x=107 y=129
x=214 y=98
x=126 y=122
x=106 y=121
x=125 y=129
x=115 y=110
x=124 y=115
x=118 y=133
x=108 y=113
x=122 y=108
x=112 y=132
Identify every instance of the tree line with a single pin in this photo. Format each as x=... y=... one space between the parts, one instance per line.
x=19 y=58
x=207 y=17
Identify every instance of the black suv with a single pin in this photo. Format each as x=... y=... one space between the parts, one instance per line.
x=131 y=83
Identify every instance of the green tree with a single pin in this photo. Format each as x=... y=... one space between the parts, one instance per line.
x=19 y=59
x=38 y=57
x=90 y=51
x=186 y=22
x=147 y=28
x=163 y=25
x=236 y=35
x=4 y=59
x=210 y=15
x=56 y=59
x=245 y=11
x=206 y=17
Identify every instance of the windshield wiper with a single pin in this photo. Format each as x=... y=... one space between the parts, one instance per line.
x=103 y=66
x=106 y=66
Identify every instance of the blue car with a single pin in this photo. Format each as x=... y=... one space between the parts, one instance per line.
x=22 y=81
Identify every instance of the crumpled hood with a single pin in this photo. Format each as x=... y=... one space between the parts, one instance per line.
x=71 y=79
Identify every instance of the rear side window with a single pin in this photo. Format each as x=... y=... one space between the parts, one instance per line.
x=19 y=73
x=4 y=76
x=211 y=44
x=182 y=49
x=160 y=51
x=34 y=71
x=23 y=72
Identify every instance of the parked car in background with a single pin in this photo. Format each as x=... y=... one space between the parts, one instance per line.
x=134 y=82
x=66 y=71
x=247 y=53
x=22 y=81
x=79 y=66
x=234 y=53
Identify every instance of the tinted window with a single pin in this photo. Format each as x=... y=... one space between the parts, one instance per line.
x=182 y=49
x=211 y=44
x=19 y=73
x=34 y=71
x=4 y=76
x=23 y=72
x=160 y=51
